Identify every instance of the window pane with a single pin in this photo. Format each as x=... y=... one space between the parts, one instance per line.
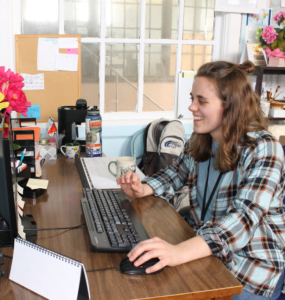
x=90 y=57
x=198 y=19
x=82 y=17
x=159 y=73
x=122 y=18
x=194 y=56
x=161 y=19
x=40 y=17
x=121 y=79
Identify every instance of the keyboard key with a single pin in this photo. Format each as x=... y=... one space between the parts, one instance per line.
x=117 y=220
x=100 y=229
x=125 y=245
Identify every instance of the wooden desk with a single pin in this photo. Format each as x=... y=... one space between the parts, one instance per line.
x=206 y=278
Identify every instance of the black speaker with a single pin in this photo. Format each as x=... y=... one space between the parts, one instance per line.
x=68 y=115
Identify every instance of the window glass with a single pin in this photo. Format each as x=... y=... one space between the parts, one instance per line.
x=90 y=57
x=198 y=19
x=194 y=56
x=122 y=18
x=159 y=74
x=40 y=17
x=121 y=77
x=82 y=17
x=121 y=63
x=161 y=19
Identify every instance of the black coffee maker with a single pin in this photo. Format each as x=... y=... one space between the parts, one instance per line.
x=70 y=116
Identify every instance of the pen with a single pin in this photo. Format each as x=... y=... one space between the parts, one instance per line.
x=276 y=91
x=278 y=94
x=42 y=161
x=22 y=156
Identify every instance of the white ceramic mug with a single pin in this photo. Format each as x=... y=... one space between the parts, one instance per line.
x=72 y=150
x=123 y=165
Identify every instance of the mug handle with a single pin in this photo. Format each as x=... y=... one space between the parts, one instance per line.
x=62 y=150
x=112 y=162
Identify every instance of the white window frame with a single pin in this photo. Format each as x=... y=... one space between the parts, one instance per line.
x=103 y=41
x=224 y=45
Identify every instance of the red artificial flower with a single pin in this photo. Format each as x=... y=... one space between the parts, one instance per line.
x=18 y=100
x=11 y=87
x=4 y=87
x=11 y=77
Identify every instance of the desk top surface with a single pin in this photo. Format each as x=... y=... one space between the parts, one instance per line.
x=60 y=207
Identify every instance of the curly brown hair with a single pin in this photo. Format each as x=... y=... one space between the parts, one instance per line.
x=242 y=113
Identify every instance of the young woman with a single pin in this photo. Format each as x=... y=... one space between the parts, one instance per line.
x=234 y=169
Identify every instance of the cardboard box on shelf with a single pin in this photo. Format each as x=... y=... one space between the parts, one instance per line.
x=277 y=113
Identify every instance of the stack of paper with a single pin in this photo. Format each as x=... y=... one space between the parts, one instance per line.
x=20 y=209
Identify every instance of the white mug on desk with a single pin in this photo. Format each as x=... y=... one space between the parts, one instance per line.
x=72 y=150
x=123 y=165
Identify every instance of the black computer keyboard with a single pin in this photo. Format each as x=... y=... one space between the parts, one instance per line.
x=112 y=223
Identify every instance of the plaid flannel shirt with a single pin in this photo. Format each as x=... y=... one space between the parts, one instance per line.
x=247 y=226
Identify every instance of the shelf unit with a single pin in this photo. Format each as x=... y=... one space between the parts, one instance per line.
x=260 y=71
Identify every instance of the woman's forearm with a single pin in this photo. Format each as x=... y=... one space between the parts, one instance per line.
x=193 y=249
x=148 y=190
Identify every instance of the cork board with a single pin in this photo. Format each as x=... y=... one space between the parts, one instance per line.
x=61 y=88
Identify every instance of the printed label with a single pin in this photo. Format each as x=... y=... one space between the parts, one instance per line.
x=95 y=123
x=92 y=137
x=172 y=144
x=93 y=150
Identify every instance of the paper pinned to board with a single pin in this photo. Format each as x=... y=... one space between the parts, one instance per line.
x=47 y=49
x=97 y=173
x=66 y=62
x=33 y=82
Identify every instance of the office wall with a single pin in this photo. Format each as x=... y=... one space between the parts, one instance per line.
x=10 y=15
x=5 y=36
x=117 y=140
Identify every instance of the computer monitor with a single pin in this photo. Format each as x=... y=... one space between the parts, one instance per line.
x=8 y=192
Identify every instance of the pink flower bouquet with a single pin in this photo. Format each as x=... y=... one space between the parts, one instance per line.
x=273 y=37
x=269 y=34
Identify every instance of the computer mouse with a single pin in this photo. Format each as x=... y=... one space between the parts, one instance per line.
x=127 y=267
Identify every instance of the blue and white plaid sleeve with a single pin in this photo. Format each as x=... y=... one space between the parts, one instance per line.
x=172 y=178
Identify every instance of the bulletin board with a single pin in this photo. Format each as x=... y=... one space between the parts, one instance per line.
x=61 y=88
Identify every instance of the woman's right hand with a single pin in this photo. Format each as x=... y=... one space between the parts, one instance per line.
x=131 y=185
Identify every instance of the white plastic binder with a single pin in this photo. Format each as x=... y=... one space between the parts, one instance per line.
x=185 y=82
x=48 y=273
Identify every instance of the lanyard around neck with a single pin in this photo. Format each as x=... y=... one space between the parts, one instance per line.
x=204 y=206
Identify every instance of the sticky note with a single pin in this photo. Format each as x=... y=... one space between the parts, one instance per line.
x=37 y=183
x=33 y=112
x=71 y=51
